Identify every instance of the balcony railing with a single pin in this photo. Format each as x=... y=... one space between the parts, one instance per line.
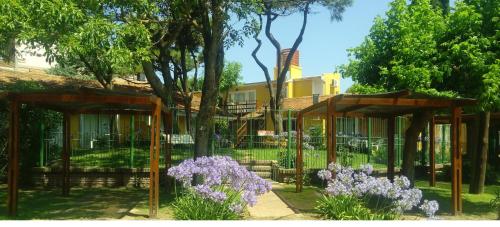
x=241 y=107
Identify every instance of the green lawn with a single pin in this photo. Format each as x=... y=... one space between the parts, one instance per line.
x=84 y=203
x=474 y=206
x=120 y=157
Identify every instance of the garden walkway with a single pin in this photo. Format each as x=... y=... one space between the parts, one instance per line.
x=271 y=207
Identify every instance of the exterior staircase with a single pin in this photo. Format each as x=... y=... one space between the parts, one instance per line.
x=241 y=133
x=263 y=168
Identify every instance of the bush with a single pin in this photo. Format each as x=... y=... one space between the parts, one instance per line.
x=191 y=206
x=223 y=189
x=379 y=195
x=348 y=208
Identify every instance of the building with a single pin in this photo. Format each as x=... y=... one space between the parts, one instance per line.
x=299 y=92
x=26 y=58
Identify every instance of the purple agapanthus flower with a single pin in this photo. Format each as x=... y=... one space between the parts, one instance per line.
x=221 y=175
x=349 y=182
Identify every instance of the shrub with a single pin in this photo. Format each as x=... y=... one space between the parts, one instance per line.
x=191 y=206
x=495 y=204
x=223 y=188
x=380 y=195
x=342 y=208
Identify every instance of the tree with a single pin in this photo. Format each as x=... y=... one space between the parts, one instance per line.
x=73 y=31
x=272 y=10
x=471 y=54
x=401 y=52
x=231 y=77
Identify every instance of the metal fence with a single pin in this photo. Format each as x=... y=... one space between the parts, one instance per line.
x=359 y=141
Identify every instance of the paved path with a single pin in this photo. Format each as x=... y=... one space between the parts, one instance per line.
x=270 y=207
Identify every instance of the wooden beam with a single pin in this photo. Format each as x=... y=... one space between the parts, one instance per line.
x=66 y=151
x=154 y=155
x=13 y=168
x=391 y=129
x=437 y=103
x=299 y=162
x=456 y=162
x=353 y=108
x=334 y=135
x=87 y=98
x=432 y=153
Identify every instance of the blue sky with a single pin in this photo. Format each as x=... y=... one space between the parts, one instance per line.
x=324 y=45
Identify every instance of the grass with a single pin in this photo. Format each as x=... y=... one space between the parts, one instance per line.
x=120 y=157
x=84 y=203
x=475 y=207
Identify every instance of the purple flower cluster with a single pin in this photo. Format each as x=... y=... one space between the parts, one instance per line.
x=222 y=178
x=360 y=184
x=429 y=207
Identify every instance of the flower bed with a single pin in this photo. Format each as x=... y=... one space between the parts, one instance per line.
x=355 y=195
x=222 y=190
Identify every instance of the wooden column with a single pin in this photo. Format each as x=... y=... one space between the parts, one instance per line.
x=66 y=153
x=391 y=129
x=432 y=153
x=13 y=168
x=334 y=134
x=299 y=162
x=168 y=148
x=154 y=156
x=456 y=162
x=329 y=134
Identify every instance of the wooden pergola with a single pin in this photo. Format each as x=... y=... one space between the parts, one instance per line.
x=91 y=101
x=388 y=106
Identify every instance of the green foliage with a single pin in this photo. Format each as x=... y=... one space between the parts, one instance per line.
x=231 y=76
x=400 y=51
x=190 y=206
x=348 y=208
x=495 y=204
x=316 y=135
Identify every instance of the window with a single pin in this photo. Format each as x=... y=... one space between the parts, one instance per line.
x=334 y=83
x=243 y=96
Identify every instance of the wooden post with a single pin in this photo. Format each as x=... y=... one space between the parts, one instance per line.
x=391 y=128
x=432 y=153
x=13 y=169
x=132 y=139
x=334 y=134
x=456 y=162
x=168 y=148
x=154 y=156
x=66 y=154
x=329 y=135
x=298 y=162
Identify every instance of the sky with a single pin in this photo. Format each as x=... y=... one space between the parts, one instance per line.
x=324 y=45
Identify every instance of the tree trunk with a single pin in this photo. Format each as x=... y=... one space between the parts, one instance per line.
x=213 y=57
x=480 y=156
x=187 y=111
x=418 y=123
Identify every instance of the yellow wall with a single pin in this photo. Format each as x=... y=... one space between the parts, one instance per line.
x=302 y=88
x=261 y=92
x=295 y=72
x=328 y=88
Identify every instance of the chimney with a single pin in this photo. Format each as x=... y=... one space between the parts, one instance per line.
x=315 y=98
x=295 y=58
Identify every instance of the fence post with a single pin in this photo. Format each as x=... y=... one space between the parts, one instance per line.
x=443 y=142
x=369 y=138
x=42 y=145
x=132 y=138
x=399 y=140
x=250 y=145
x=289 y=139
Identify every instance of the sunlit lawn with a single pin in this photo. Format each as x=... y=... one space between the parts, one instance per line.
x=120 y=157
x=84 y=203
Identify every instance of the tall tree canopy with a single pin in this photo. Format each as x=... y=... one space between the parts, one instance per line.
x=417 y=46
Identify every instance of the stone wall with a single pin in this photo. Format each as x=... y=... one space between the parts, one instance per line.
x=94 y=177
